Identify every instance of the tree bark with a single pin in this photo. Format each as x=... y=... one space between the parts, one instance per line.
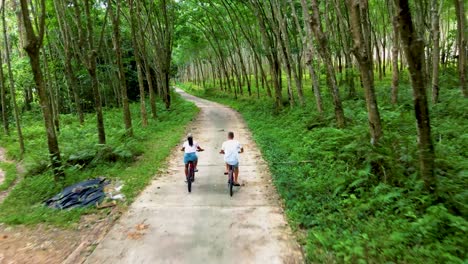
x=435 y=10
x=462 y=44
x=32 y=46
x=414 y=51
x=21 y=33
x=6 y=129
x=121 y=71
x=92 y=71
x=324 y=50
x=309 y=59
x=363 y=53
x=49 y=84
x=137 y=54
x=272 y=54
x=152 y=95
x=395 y=51
x=12 y=84
x=68 y=51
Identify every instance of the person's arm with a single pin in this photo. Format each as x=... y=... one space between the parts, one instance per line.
x=241 y=148
x=222 y=149
x=199 y=148
x=183 y=147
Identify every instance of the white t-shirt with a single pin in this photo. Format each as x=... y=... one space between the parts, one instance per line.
x=190 y=149
x=231 y=151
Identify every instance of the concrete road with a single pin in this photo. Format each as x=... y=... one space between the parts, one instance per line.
x=166 y=224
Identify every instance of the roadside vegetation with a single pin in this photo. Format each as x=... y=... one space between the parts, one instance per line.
x=132 y=160
x=357 y=203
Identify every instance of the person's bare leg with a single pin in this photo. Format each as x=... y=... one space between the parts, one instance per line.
x=236 y=174
x=227 y=169
x=186 y=170
x=195 y=164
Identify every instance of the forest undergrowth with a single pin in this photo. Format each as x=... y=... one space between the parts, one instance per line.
x=133 y=161
x=357 y=203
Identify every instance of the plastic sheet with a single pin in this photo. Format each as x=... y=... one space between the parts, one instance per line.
x=82 y=194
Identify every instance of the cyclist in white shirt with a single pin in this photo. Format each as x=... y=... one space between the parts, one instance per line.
x=190 y=149
x=231 y=149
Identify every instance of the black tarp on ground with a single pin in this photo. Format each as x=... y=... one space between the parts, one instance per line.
x=82 y=194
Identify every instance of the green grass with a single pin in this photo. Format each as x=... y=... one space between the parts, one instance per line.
x=137 y=159
x=10 y=175
x=362 y=204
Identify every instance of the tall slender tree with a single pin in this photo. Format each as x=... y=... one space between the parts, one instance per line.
x=395 y=52
x=115 y=19
x=414 y=51
x=33 y=44
x=137 y=54
x=91 y=66
x=462 y=43
x=12 y=85
x=435 y=11
x=66 y=36
x=324 y=51
x=4 y=104
x=360 y=29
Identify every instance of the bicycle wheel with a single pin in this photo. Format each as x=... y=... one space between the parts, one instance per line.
x=231 y=181
x=189 y=177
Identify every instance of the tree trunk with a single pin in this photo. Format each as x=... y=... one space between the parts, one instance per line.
x=327 y=60
x=3 y=99
x=21 y=33
x=395 y=50
x=379 y=57
x=363 y=53
x=309 y=60
x=435 y=10
x=414 y=51
x=462 y=44
x=91 y=68
x=272 y=57
x=68 y=51
x=121 y=71
x=12 y=85
x=315 y=85
x=152 y=95
x=255 y=66
x=290 y=67
x=137 y=54
x=32 y=46
x=50 y=92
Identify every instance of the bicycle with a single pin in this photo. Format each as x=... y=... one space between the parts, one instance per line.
x=231 y=179
x=190 y=175
x=190 y=178
x=230 y=174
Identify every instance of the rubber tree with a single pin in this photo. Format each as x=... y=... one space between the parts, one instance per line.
x=325 y=54
x=33 y=44
x=116 y=39
x=414 y=52
x=12 y=85
x=360 y=29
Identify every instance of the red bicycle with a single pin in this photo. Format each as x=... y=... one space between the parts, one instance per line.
x=190 y=175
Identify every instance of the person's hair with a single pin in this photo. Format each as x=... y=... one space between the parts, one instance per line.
x=231 y=135
x=190 y=140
